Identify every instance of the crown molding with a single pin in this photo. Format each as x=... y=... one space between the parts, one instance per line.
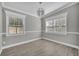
x=59 y=9
x=16 y=10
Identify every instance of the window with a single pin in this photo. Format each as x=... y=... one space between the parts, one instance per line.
x=50 y=25
x=60 y=25
x=15 y=23
x=57 y=24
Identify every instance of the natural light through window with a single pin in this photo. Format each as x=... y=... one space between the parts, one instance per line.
x=15 y=23
x=57 y=24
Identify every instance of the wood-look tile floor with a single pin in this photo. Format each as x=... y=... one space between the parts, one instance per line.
x=40 y=48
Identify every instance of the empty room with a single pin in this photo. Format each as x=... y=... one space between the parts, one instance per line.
x=39 y=28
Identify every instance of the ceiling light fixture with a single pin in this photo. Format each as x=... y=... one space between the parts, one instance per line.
x=40 y=11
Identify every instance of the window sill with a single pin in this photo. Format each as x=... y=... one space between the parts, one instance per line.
x=14 y=34
x=60 y=33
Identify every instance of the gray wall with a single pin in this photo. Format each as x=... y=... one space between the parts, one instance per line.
x=0 y=27
x=34 y=24
x=31 y=24
x=72 y=26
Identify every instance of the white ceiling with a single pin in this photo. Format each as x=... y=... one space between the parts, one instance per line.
x=32 y=7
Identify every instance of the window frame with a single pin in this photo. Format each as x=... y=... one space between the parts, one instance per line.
x=54 y=18
x=10 y=13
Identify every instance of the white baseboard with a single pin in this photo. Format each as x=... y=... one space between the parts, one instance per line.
x=0 y=51
x=66 y=44
x=20 y=43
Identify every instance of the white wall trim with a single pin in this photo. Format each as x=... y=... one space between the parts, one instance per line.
x=77 y=33
x=25 y=32
x=20 y=43
x=0 y=51
x=66 y=44
x=10 y=8
x=54 y=21
x=60 y=33
x=63 y=7
x=8 y=13
x=31 y=31
x=74 y=33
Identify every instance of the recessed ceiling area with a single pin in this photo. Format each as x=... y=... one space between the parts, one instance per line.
x=32 y=7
